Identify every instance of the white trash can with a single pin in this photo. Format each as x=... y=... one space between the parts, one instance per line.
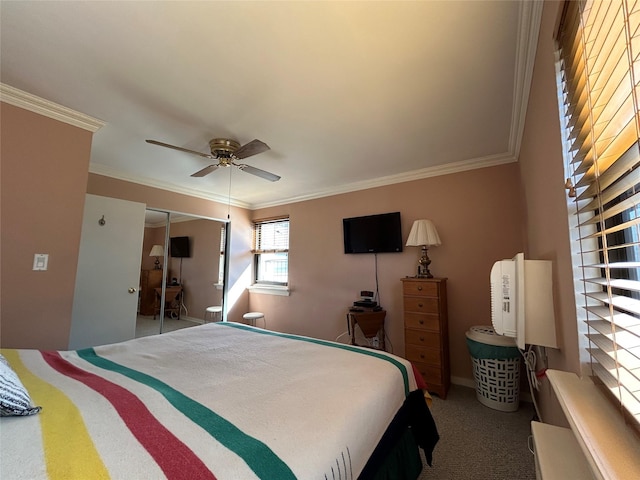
x=496 y=368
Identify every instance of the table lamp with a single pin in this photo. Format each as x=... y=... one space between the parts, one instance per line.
x=423 y=234
x=157 y=251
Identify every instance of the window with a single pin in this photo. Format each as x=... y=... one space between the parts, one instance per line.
x=271 y=251
x=223 y=230
x=599 y=70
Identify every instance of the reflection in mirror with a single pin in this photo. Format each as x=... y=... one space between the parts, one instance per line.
x=189 y=288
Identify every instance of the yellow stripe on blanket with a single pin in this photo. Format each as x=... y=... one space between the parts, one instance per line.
x=69 y=450
x=427 y=398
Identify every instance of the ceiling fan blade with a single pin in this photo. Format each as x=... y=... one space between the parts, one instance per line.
x=155 y=142
x=260 y=173
x=254 y=147
x=205 y=171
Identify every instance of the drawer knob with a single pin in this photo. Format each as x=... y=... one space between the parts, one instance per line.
x=420 y=305
x=419 y=287
x=422 y=355
x=422 y=339
x=421 y=322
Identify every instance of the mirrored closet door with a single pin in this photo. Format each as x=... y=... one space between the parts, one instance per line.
x=182 y=272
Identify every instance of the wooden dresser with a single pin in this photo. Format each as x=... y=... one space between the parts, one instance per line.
x=149 y=280
x=426 y=330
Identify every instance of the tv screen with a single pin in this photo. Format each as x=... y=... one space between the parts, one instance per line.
x=373 y=234
x=180 y=247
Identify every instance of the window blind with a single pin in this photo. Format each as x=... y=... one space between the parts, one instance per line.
x=599 y=71
x=221 y=262
x=270 y=236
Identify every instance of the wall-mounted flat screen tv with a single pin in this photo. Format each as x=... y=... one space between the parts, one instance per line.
x=373 y=234
x=180 y=247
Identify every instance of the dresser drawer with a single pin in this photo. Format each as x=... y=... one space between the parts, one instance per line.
x=417 y=354
x=422 y=338
x=431 y=375
x=426 y=289
x=421 y=305
x=422 y=321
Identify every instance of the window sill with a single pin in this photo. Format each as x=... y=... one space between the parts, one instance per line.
x=270 y=290
x=608 y=445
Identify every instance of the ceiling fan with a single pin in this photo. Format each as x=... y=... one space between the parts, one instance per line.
x=226 y=152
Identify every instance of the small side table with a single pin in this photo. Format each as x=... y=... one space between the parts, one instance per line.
x=172 y=300
x=371 y=323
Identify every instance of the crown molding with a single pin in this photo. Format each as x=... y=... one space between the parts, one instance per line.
x=27 y=101
x=103 y=170
x=180 y=218
x=529 y=20
x=438 y=170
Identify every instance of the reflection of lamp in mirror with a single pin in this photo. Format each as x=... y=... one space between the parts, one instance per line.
x=157 y=251
x=423 y=234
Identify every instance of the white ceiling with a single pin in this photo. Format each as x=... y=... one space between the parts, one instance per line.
x=348 y=95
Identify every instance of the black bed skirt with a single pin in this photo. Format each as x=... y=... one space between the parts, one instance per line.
x=397 y=456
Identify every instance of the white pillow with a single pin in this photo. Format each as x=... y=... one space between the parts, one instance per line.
x=14 y=398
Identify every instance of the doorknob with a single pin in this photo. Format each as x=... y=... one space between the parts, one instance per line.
x=132 y=290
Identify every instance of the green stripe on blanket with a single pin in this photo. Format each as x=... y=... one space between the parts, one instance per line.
x=259 y=457
x=342 y=346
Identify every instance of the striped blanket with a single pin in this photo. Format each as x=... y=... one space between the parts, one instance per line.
x=220 y=400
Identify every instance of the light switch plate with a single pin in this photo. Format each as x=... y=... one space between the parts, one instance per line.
x=40 y=261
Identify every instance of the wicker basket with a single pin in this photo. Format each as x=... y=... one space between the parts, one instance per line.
x=497 y=379
x=498 y=383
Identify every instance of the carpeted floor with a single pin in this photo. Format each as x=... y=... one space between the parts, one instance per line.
x=479 y=443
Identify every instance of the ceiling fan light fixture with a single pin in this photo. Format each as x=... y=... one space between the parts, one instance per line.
x=223 y=146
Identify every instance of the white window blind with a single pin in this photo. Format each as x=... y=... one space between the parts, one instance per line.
x=271 y=249
x=271 y=236
x=223 y=234
x=223 y=230
x=599 y=50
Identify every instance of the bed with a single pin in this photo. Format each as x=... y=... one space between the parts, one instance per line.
x=221 y=400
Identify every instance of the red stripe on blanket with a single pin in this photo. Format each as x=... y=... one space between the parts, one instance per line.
x=176 y=460
x=422 y=385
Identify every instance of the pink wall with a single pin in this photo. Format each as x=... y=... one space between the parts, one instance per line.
x=156 y=198
x=478 y=217
x=541 y=169
x=44 y=177
x=482 y=216
x=200 y=271
x=324 y=281
x=239 y=256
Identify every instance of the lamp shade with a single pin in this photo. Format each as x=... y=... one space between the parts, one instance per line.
x=157 y=251
x=423 y=232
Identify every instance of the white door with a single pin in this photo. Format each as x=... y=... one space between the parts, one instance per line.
x=105 y=301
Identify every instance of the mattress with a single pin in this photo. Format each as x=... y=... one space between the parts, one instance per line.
x=221 y=400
